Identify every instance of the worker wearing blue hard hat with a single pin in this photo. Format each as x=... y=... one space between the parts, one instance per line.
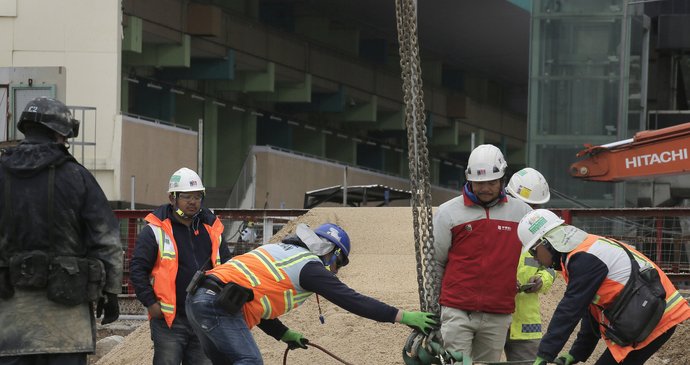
x=256 y=288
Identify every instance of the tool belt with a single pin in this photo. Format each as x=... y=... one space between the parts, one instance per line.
x=231 y=296
x=6 y=288
x=68 y=280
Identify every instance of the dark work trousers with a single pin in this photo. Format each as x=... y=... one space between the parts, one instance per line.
x=638 y=357
x=45 y=359
x=176 y=345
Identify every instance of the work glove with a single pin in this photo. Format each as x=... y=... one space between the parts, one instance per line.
x=294 y=339
x=539 y=361
x=565 y=359
x=108 y=307
x=423 y=322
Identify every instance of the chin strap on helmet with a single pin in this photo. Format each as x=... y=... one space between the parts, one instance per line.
x=337 y=252
x=181 y=213
x=555 y=255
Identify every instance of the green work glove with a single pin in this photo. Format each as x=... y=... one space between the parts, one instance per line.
x=539 y=361
x=565 y=359
x=294 y=339
x=420 y=321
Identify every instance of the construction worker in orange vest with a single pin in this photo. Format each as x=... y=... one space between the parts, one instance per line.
x=256 y=288
x=181 y=238
x=596 y=270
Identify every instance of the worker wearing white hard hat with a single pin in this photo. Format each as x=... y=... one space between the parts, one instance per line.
x=533 y=279
x=475 y=247
x=530 y=186
x=596 y=270
x=180 y=239
x=186 y=192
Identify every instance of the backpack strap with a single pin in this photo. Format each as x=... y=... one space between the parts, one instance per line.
x=6 y=219
x=51 y=202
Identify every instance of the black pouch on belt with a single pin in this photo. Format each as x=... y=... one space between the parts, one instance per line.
x=232 y=297
x=68 y=280
x=194 y=283
x=96 y=282
x=29 y=270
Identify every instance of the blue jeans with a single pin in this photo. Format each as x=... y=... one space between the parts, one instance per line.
x=225 y=337
x=176 y=345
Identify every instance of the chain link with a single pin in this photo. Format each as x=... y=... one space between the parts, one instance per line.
x=413 y=96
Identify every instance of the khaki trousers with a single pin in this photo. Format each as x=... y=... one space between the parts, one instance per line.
x=479 y=334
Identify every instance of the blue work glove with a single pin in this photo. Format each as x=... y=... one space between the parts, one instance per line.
x=565 y=359
x=294 y=340
x=539 y=361
x=421 y=321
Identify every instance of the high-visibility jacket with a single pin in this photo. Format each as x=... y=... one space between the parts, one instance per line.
x=619 y=265
x=164 y=272
x=272 y=271
x=526 y=321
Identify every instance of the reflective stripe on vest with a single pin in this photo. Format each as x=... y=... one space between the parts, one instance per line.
x=526 y=320
x=164 y=273
x=610 y=253
x=272 y=271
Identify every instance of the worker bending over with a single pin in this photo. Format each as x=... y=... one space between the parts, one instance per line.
x=256 y=288
x=596 y=270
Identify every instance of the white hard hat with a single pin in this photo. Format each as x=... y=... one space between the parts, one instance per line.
x=530 y=186
x=486 y=163
x=534 y=225
x=184 y=180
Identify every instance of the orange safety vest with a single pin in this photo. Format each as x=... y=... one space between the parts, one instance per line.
x=272 y=272
x=677 y=309
x=164 y=271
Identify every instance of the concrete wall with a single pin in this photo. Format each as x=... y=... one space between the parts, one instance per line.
x=283 y=178
x=84 y=37
x=153 y=153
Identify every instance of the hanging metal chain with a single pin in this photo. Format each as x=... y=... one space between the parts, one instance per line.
x=413 y=95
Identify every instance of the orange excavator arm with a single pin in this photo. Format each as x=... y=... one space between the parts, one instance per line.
x=647 y=154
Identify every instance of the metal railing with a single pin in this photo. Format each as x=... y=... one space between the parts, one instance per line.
x=87 y=117
x=662 y=234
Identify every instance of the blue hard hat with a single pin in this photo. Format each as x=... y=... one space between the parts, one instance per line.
x=338 y=236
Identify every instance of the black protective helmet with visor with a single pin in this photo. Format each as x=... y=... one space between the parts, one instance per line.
x=50 y=113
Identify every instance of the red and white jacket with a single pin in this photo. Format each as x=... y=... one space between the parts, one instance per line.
x=476 y=253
